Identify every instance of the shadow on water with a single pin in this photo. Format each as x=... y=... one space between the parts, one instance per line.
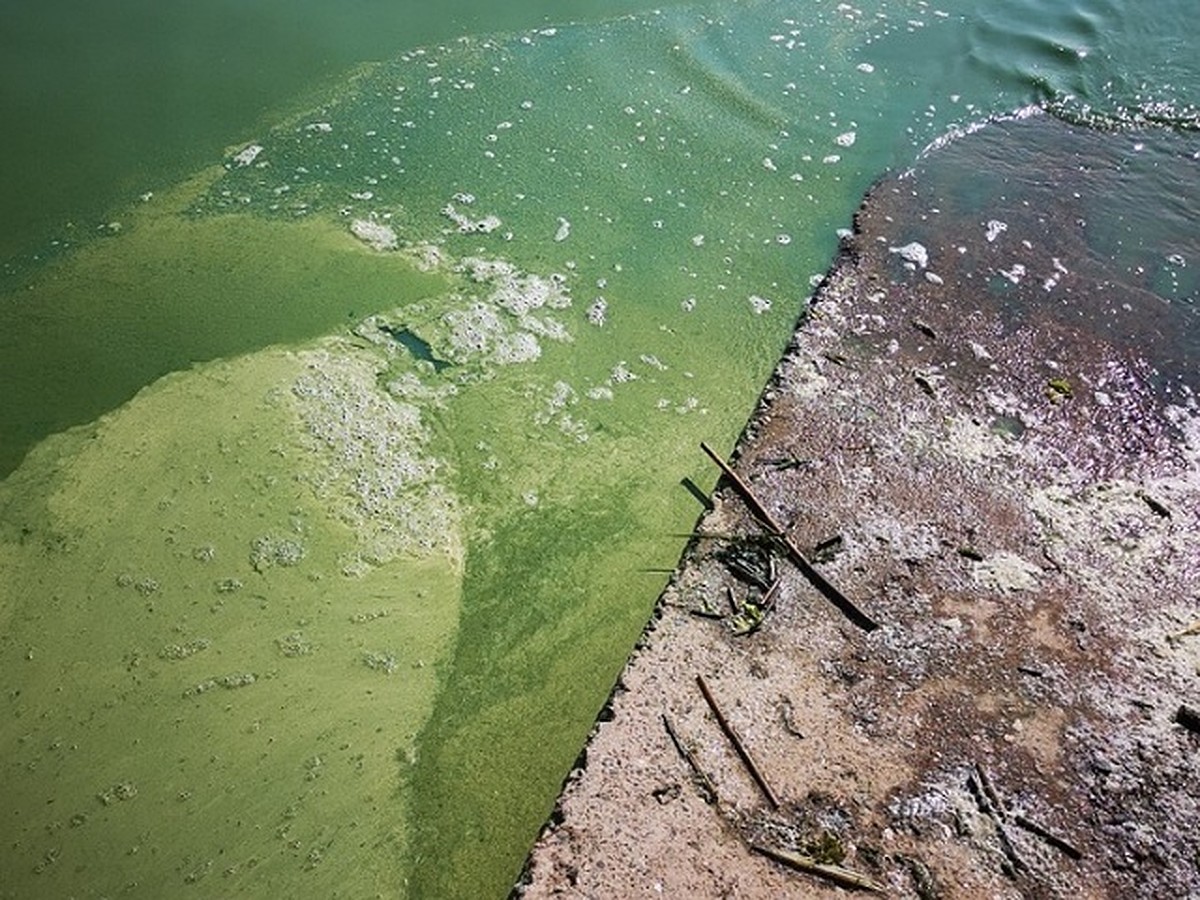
x=414 y=344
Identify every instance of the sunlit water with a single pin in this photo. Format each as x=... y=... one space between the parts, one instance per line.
x=331 y=613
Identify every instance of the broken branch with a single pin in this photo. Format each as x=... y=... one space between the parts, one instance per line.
x=831 y=593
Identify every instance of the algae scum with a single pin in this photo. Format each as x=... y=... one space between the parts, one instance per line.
x=332 y=613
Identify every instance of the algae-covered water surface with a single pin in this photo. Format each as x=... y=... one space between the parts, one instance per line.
x=378 y=426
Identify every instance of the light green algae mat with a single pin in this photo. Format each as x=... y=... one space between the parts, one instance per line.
x=331 y=614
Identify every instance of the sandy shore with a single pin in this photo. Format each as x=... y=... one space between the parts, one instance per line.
x=1015 y=501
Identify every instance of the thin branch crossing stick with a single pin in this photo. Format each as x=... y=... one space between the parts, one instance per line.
x=831 y=593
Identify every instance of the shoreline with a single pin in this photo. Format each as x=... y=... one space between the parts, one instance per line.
x=1015 y=501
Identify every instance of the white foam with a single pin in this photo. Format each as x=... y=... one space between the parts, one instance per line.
x=248 y=154
x=375 y=234
x=759 y=304
x=597 y=312
x=913 y=253
x=1015 y=274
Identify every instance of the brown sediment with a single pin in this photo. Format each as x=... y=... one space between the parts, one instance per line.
x=1012 y=727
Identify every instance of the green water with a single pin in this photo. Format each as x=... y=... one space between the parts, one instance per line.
x=345 y=463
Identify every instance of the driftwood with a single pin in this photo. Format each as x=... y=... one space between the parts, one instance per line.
x=839 y=875
x=831 y=593
x=738 y=745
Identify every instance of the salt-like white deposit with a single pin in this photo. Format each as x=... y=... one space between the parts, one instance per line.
x=995 y=228
x=564 y=230
x=1007 y=572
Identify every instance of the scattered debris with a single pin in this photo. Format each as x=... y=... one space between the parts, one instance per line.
x=849 y=609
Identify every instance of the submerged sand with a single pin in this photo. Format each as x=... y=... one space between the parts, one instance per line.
x=1013 y=495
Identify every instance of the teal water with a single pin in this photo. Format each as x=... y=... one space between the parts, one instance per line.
x=345 y=422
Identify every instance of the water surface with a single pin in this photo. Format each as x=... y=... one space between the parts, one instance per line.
x=345 y=462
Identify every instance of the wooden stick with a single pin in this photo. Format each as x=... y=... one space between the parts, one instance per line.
x=985 y=782
x=839 y=875
x=1188 y=718
x=1048 y=836
x=707 y=790
x=981 y=788
x=737 y=743
x=836 y=597
x=1194 y=628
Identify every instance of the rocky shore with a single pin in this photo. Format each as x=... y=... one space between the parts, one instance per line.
x=1011 y=493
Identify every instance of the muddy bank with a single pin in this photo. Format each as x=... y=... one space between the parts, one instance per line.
x=1009 y=488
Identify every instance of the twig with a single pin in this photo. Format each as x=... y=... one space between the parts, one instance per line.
x=768 y=600
x=1048 y=836
x=981 y=787
x=994 y=806
x=733 y=601
x=707 y=790
x=840 y=600
x=737 y=743
x=1192 y=629
x=1188 y=718
x=839 y=875
x=985 y=783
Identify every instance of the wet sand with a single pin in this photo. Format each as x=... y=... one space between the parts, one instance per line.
x=1011 y=492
